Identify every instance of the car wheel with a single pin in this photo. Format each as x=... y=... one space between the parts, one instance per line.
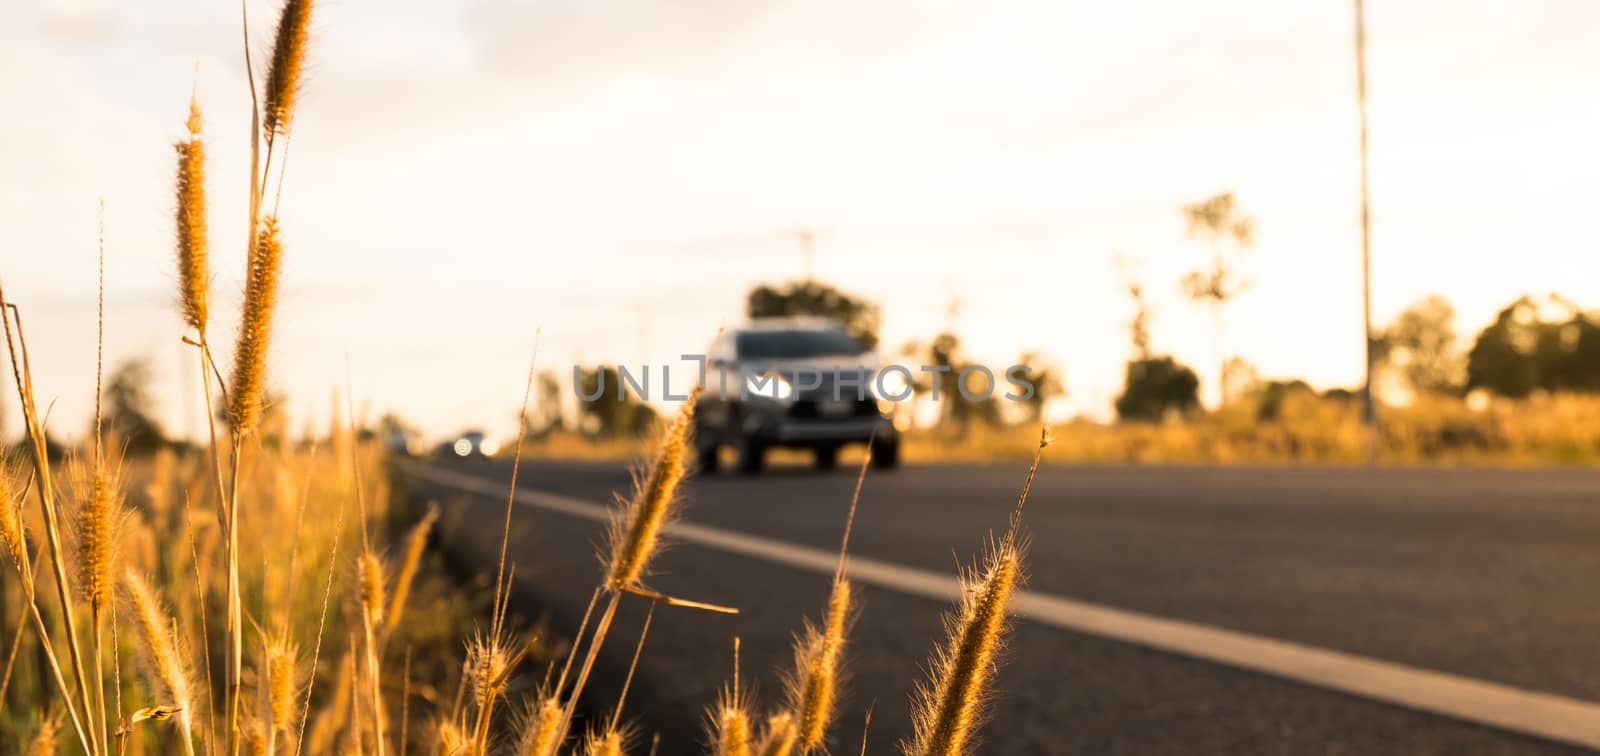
x=827 y=457
x=752 y=455
x=886 y=454
x=706 y=459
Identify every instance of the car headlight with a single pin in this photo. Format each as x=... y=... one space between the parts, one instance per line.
x=462 y=447
x=890 y=385
x=488 y=448
x=768 y=385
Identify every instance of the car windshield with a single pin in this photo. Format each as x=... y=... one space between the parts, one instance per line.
x=794 y=344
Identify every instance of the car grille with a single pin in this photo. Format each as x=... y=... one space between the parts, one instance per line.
x=808 y=408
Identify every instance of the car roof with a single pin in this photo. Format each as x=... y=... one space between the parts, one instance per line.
x=791 y=323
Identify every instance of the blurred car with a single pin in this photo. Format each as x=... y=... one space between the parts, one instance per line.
x=401 y=443
x=794 y=383
x=472 y=444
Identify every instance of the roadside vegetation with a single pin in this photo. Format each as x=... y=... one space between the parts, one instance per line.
x=266 y=595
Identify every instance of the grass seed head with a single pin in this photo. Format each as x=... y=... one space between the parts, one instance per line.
x=288 y=60
x=486 y=667
x=372 y=580
x=451 y=740
x=539 y=727
x=730 y=725
x=194 y=268
x=951 y=707
x=416 y=545
x=281 y=687
x=605 y=743
x=46 y=739
x=246 y=394
x=162 y=662
x=98 y=517
x=635 y=533
x=12 y=531
x=813 y=691
x=780 y=736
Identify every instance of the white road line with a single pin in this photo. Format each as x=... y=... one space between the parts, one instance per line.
x=1543 y=715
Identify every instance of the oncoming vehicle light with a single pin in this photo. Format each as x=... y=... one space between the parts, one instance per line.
x=462 y=447
x=488 y=447
x=768 y=385
x=890 y=385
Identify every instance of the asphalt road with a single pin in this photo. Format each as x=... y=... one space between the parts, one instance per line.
x=1486 y=574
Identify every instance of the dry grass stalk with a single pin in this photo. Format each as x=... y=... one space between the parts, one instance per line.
x=813 y=691
x=281 y=688
x=96 y=522
x=283 y=72
x=449 y=738
x=372 y=587
x=255 y=329
x=949 y=708
x=607 y=742
x=163 y=664
x=99 y=516
x=488 y=664
x=46 y=739
x=731 y=727
x=13 y=532
x=948 y=714
x=635 y=534
x=540 y=722
x=813 y=688
x=416 y=544
x=371 y=580
x=333 y=717
x=194 y=268
x=780 y=736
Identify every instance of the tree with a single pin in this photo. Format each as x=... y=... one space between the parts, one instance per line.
x=1138 y=328
x=859 y=317
x=1420 y=347
x=1533 y=345
x=547 y=415
x=942 y=380
x=606 y=409
x=129 y=410
x=1157 y=387
x=1046 y=382
x=1272 y=395
x=1241 y=378
x=1229 y=232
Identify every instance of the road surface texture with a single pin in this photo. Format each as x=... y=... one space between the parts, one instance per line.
x=1487 y=575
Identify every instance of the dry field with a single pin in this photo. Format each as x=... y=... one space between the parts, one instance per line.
x=261 y=598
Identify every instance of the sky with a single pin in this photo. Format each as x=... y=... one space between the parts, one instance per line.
x=614 y=175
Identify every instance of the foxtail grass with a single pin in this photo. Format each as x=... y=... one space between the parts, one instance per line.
x=779 y=737
x=286 y=66
x=282 y=691
x=539 y=723
x=635 y=534
x=164 y=665
x=813 y=688
x=46 y=739
x=416 y=544
x=12 y=532
x=731 y=726
x=606 y=742
x=194 y=267
x=248 y=384
x=81 y=710
x=951 y=706
x=634 y=537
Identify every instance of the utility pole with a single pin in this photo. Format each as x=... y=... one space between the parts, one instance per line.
x=1368 y=411
x=808 y=239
